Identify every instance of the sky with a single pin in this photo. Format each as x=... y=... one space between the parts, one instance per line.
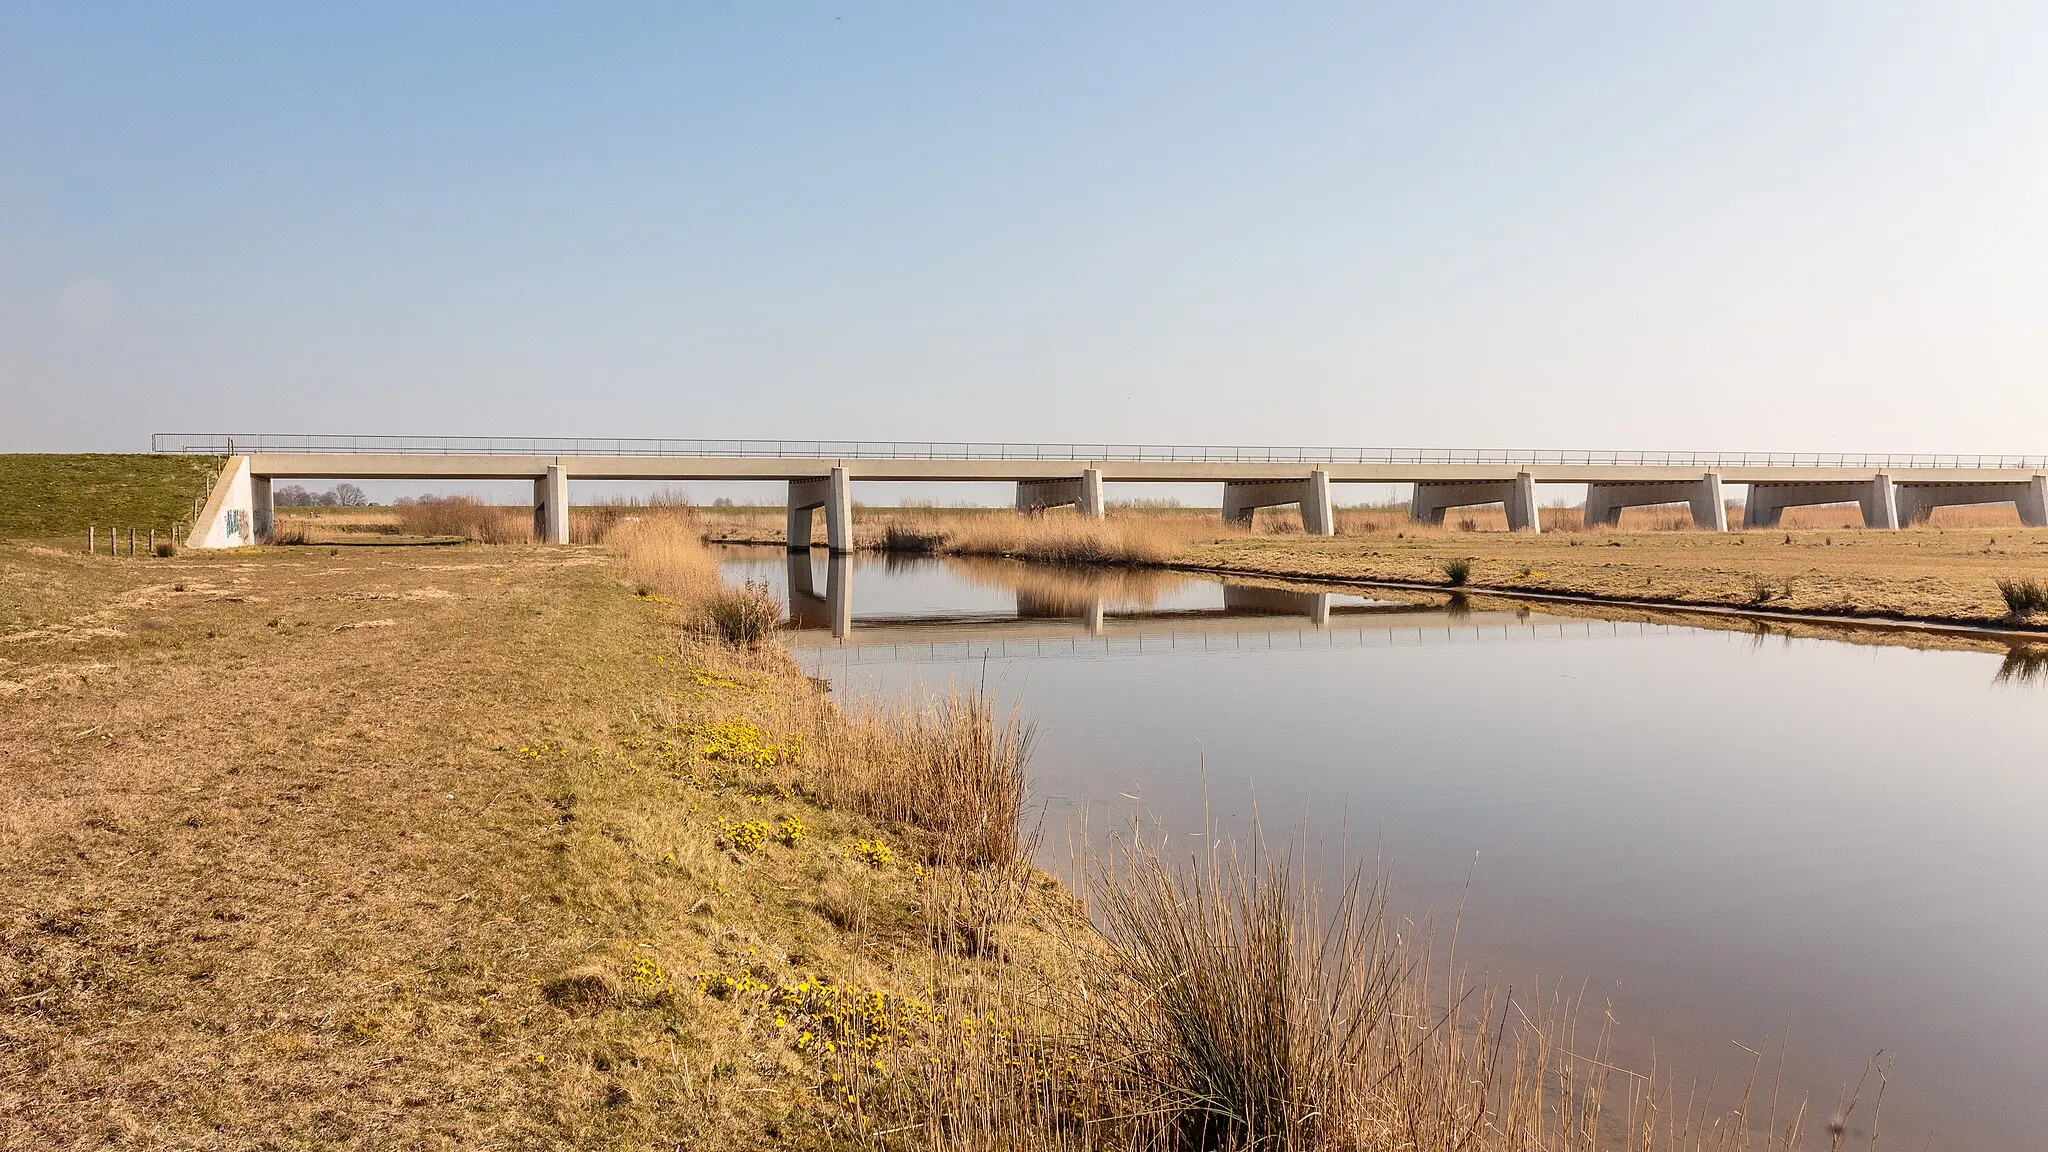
x=1742 y=226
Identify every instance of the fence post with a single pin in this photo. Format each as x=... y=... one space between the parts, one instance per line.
x=92 y=543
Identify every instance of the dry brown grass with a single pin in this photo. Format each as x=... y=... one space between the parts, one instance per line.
x=1058 y=536
x=437 y=861
x=467 y=518
x=474 y=847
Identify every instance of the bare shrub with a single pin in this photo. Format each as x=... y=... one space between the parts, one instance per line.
x=1457 y=571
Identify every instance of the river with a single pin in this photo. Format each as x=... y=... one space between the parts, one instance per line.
x=1737 y=840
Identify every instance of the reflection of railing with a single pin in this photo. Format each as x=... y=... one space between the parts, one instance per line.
x=220 y=444
x=1213 y=642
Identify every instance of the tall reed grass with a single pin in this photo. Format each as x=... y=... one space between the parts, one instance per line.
x=947 y=765
x=467 y=518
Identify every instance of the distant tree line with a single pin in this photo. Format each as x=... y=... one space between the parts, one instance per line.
x=339 y=496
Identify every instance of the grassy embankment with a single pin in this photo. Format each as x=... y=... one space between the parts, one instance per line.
x=55 y=497
x=1948 y=570
x=288 y=873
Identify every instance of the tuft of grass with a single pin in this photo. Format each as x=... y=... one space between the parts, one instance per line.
x=2023 y=596
x=1255 y=1021
x=946 y=766
x=743 y=616
x=1457 y=570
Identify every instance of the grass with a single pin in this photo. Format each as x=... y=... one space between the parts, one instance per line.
x=744 y=616
x=1457 y=570
x=607 y=880
x=51 y=495
x=2023 y=596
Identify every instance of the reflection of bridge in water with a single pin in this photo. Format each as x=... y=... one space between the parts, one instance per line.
x=1253 y=618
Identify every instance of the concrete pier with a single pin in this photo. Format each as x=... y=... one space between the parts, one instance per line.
x=1433 y=498
x=1768 y=500
x=1915 y=501
x=551 y=506
x=1084 y=492
x=1604 y=502
x=834 y=494
x=1242 y=498
x=262 y=510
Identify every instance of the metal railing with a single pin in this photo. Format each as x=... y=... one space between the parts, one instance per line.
x=219 y=444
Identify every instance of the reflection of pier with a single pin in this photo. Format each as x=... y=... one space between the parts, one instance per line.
x=1253 y=618
x=834 y=610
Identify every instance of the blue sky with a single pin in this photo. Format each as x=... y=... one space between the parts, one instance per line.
x=1813 y=226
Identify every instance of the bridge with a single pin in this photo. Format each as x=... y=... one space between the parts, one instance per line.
x=1892 y=491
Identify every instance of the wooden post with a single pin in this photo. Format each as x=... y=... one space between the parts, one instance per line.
x=131 y=543
x=152 y=541
x=92 y=544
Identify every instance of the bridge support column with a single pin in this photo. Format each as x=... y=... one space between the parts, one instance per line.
x=1767 y=502
x=1242 y=497
x=1083 y=492
x=1604 y=501
x=262 y=511
x=834 y=494
x=1915 y=501
x=1433 y=498
x=551 y=506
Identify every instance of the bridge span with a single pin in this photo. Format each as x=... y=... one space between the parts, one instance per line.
x=1893 y=491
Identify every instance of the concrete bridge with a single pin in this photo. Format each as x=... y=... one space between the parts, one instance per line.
x=1893 y=491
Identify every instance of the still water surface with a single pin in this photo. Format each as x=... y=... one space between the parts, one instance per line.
x=1730 y=838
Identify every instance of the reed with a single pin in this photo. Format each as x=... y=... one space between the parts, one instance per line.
x=2023 y=596
x=1457 y=571
x=743 y=616
x=948 y=766
x=1056 y=538
x=1249 y=1019
x=467 y=518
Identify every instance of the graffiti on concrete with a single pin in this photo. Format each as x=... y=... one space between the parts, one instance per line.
x=236 y=524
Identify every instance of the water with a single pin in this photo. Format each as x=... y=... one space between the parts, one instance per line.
x=1731 y=838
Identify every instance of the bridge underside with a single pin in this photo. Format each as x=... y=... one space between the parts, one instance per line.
x=239 y=511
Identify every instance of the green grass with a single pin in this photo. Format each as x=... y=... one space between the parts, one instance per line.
x=50 y=494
